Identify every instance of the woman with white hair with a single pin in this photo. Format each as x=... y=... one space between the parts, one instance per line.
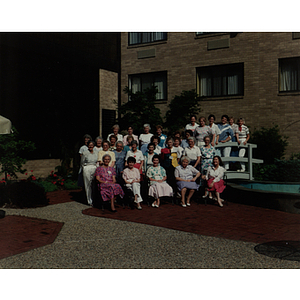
x=186 y=176
x=88 y=163
x=106 y=176
x=115 y=130
x=145 y=138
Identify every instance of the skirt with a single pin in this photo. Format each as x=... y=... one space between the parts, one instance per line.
x=189 y=185
x=160 y=189
x=218 y=186
x=109 y=190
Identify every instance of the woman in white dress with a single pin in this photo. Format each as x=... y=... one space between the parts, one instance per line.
x=88 y=163
x=115 y=130
x=158 y=185
x=145 y=138
x=98 y=141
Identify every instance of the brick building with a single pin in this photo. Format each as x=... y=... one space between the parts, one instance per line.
x=255 y=75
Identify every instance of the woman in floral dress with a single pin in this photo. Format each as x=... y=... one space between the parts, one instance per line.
x=106 y=176
x=158 y=185
x=207 y=155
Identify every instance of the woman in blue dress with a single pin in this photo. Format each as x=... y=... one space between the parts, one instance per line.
x=120 y=161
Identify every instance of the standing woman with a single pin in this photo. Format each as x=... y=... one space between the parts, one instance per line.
x=98 y=146
x=202 y=131
x=106 y=150
x=137 y=154
x=192 y=125
x=242 y=136
x=163 y=137
x=207 y=155
x=214 y=178
x=158 y=185
x=130 y=133
x=214 y=127
x=120 y=161
x=106 y=176
x=193 y=153
x=145 y=138
x=226 y=135
x=116 y=129
x=184 y=143
x=88 y=163
x=83 y=148
x=148 y=157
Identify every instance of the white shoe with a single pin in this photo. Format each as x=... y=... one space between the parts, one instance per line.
x=242 y=170
x=183 y=205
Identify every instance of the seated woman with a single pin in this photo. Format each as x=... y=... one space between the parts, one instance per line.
x=158 y=185
x=88 y=163
x=120 y=161
x=186 y=176
x=106 y=150
x=176 y=144
x=131 y=178
x=214 y=177
x=137 y=154
x=106 y=176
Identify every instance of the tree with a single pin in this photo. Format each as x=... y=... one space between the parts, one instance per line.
x=140 y=109
x=11 y=151
x=270 y=144
x=180 y=110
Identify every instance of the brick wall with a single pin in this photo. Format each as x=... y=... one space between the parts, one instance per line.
x=261 y=104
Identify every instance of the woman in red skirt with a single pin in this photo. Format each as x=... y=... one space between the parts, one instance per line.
x=214 y=177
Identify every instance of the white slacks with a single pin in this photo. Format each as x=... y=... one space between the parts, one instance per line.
x=88 y=175
x=225 y=152
x=136 y=189
x=242 y=152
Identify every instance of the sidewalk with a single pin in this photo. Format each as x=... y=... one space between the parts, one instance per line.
x=167 y=237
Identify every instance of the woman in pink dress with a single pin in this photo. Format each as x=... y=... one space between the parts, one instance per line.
x=106 y=176
x=214 y=177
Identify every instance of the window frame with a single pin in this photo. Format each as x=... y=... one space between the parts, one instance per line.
x=289 y=62
x=223 y=71
x=153 y=75
x=143 y=34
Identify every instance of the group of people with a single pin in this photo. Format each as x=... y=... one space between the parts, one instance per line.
x=159 y=166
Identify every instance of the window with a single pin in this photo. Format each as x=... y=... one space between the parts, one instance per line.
x=135 y=38
x=289 y=74
x=220 y=81
x=139 y=82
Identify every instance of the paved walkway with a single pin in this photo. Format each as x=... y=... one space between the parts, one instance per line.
x=168 y=237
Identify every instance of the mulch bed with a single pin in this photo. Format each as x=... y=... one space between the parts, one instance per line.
x=19 y=234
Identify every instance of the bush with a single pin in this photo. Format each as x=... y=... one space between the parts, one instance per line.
x=23 y=194
x=270 y=144
x=281 y=170
x=180 y=110
x=71 y=185
x=47 y=186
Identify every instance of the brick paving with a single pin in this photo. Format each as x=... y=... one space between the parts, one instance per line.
x=235 y=221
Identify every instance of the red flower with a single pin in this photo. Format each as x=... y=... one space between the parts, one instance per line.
x=33 y=178
x=61 y=183
x=31 y=170
x=25 y=173
x=54 y=175
x=54 y=182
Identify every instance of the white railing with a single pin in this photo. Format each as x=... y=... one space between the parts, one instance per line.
x=250 y=160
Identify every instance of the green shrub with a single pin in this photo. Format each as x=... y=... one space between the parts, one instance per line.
x=270 y=144
x=71 y=185
x=281 y=170
x=23 y=194
x=48 y=186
